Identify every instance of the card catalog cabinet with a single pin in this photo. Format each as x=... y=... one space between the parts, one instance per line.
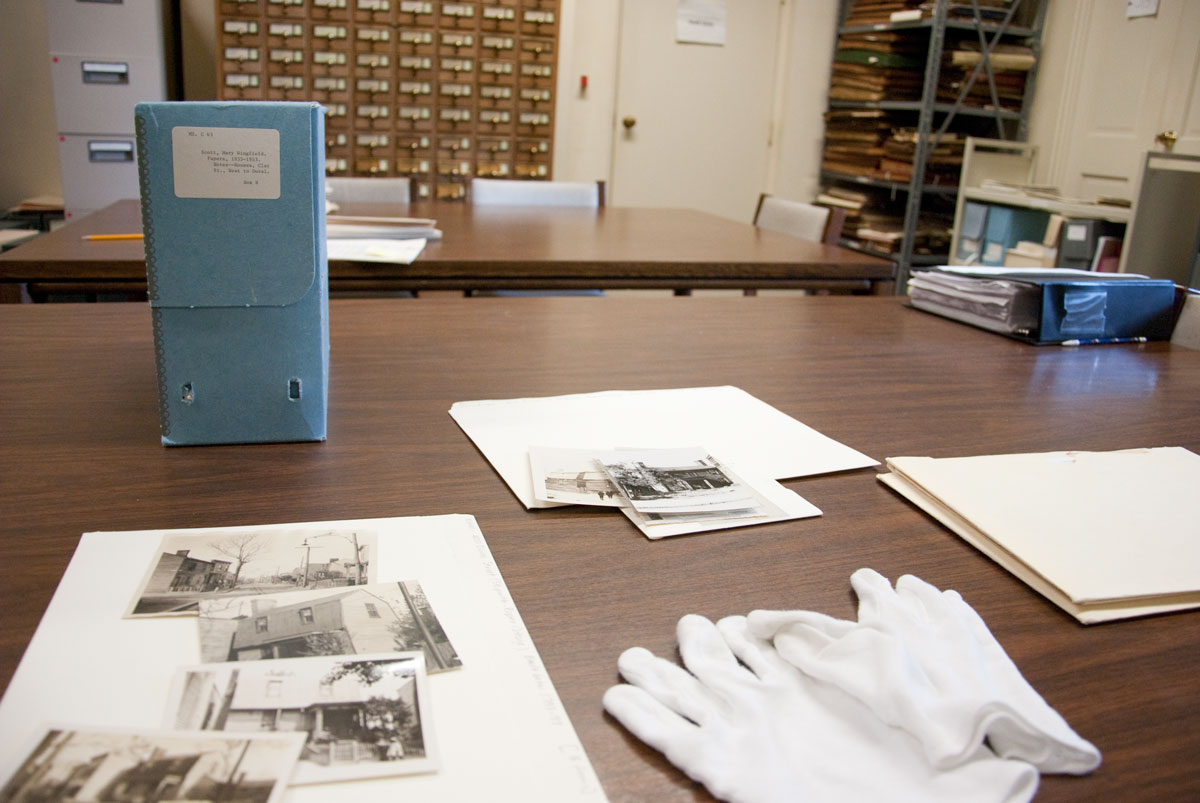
x=434 y=91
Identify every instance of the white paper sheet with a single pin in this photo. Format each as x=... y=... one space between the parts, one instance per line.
x=701 y=22
x=790 y=505
x=752 y=437
x=1104 y=535
x=501 y=728
x=401 y=252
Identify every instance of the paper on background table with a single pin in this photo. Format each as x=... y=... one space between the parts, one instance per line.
x=750 y=435
x=401 y=252
x=500 y=726
x=334 y=232
x=1104 y=535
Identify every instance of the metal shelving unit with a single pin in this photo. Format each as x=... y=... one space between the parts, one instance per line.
x=935 y=119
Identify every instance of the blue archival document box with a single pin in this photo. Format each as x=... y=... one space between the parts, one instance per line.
x=233 y=213
x=1007 y=226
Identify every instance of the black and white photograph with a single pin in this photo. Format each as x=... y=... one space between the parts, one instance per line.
x=677 y=481
x=97 y=765
x=376 y=618
x=219 y=564
x=571 y=476
x=365 y=717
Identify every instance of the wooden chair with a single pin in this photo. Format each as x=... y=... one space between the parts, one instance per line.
x=494 y=191
x=820 y=224
x=362 y=189
x=536 y=193
x=365 y=189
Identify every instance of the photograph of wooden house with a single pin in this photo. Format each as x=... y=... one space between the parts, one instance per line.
x=365 y=716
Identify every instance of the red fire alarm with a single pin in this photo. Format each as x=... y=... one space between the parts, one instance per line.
x=582 y=83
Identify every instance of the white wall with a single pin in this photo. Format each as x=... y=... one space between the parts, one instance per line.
x=1056 y=91
x=586 y=119
x=807 y=59
x=28 y=131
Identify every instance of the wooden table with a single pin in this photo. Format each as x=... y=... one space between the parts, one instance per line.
x=79 y=451
x=496 y=247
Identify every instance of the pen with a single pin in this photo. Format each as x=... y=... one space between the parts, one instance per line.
x=135 y=236
x=1098 y=340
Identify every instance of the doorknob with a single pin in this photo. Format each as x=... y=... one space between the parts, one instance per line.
x=1167 y=139
x=629 y=122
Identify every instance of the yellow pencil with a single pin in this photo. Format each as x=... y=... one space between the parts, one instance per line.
x=136 y=236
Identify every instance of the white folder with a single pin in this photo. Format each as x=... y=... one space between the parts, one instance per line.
x=1103 y=535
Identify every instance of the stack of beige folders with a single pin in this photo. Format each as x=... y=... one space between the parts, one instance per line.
x=1103 y=535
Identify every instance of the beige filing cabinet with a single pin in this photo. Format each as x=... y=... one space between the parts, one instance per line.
x=105 y=57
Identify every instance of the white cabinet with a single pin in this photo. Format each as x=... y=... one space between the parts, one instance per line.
x=999 y=173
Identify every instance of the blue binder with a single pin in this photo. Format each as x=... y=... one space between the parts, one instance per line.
x=1050 y=305
x=233 y=216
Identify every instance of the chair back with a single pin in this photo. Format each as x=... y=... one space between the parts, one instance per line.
x=363 y=189
x=536 y=193
x=821 y=224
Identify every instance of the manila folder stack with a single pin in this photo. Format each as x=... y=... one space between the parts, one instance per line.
x=1103 y=535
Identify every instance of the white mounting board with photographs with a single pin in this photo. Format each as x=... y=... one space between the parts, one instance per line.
x=498 y=720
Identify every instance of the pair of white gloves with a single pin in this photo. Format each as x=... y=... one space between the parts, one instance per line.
x=799 y=706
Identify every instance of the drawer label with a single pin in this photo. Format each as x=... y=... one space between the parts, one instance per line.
x=225 y=162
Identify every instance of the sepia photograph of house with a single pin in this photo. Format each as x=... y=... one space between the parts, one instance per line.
x=364 y=716
x=571 y=476
x=381 y=617
x=189 y=567
x=98 y=766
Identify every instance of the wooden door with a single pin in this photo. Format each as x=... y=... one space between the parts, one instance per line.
x=693 y=121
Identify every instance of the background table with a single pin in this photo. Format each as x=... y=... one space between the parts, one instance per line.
x=79 y=451
x=497 y=247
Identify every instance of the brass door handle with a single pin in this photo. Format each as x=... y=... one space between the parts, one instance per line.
x=629 y=122
x=1167 y=139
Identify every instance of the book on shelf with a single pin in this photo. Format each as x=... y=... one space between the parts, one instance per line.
x=1000 y=57
x=881 y=240
x=876 y=12
x=961 y=83
x=1108 y=254
x=882 y=41
x=875 y=59
x=828 y=199
x=983 y=11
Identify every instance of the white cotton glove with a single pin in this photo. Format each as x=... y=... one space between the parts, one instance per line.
x=768 y=733
x=923 y=660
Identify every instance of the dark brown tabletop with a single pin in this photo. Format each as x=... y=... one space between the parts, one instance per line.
x=80 y=452
x=500 y=247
